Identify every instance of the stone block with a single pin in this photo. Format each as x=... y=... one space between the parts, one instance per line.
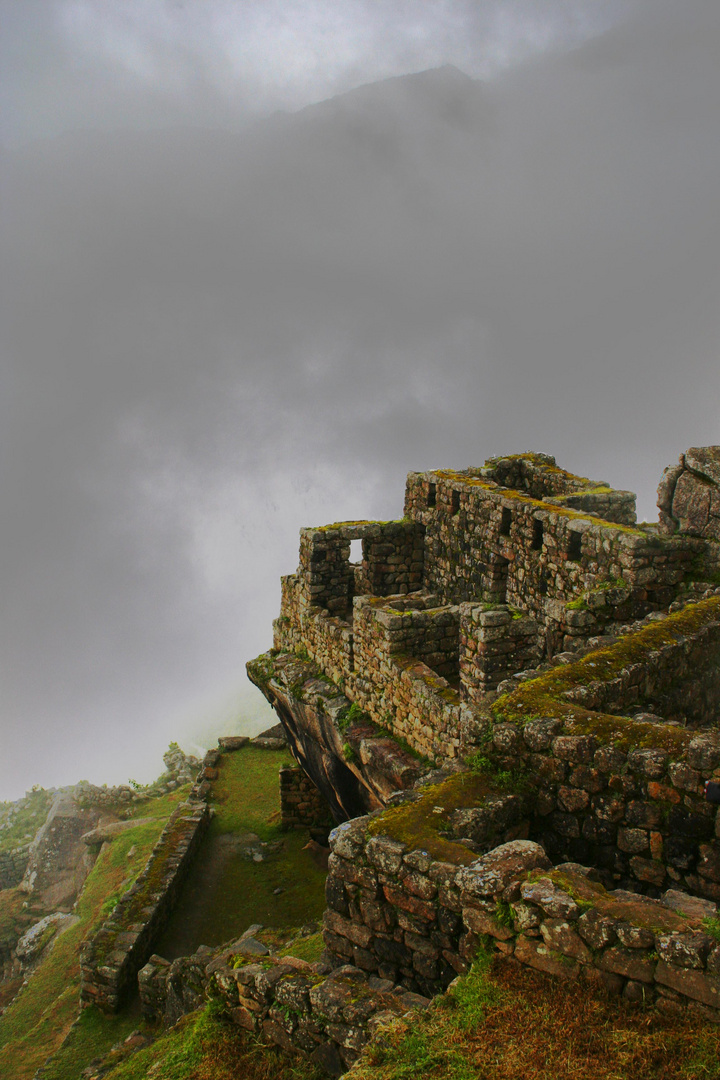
x=537 y=955
x=691 y=983
x=631 y=963
x=550 y=898
x=560 y=937
x=491 y=874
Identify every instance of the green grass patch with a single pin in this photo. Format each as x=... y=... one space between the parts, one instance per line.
x=225 y=892
x=204 y=1046
x=91 y=1037
x=20 y=821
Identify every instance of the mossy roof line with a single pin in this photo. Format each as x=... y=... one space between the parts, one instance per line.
x=544 y=696
x=551 y=508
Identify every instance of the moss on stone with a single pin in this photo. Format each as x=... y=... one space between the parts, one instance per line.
x=420 y=824
x=587 y=894
x=544 y=696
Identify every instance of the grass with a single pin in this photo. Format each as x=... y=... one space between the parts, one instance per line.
x=19 y=828
x=225 y=893
x=91 y=1037
x=39 y=1018
x=505 y=1022
x=204 y=1046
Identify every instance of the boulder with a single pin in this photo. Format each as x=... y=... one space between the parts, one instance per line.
x=688 y=496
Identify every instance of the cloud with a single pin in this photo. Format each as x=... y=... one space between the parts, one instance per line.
x=212 y=338
x=158 y=63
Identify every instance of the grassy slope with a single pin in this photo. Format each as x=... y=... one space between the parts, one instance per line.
x=504 y=1022
x=246 y=800
x=37 y=1021
x=19 y=828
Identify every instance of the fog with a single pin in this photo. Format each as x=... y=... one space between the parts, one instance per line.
x=222 y=322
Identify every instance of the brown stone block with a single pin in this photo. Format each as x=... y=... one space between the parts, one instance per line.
x=536 y=954
x=406 y=902
x=693 y=984
x=243 y=1018
x=632 y=963
x=663 y=792
x=559 y=936
x=483 y=922
x=648 y=870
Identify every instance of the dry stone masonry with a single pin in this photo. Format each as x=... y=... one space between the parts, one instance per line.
x=560 y=665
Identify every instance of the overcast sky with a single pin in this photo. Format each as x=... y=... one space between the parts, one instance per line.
x=241 y=296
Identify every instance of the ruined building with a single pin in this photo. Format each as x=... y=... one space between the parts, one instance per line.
x=514 y=661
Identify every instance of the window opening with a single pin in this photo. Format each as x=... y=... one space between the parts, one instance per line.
x=431 y=495
x=506 y=521
x=575 y=546
x=356 y=552
x=537 y=540
x=455 y=502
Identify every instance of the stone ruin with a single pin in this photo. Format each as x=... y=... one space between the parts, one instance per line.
x=518 y=675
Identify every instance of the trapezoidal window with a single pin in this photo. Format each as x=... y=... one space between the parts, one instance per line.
x=505 y=521
x=455 y=502
x=356 y=553
x=537 y=537
x=574 y=553
x=431 y=496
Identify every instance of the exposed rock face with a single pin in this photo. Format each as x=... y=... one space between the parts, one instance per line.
x=689 y=494
x=59 y=860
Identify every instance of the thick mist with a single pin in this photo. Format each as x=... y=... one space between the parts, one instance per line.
x=213 y=337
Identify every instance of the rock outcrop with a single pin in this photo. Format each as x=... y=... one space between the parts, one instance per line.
x=689 y=494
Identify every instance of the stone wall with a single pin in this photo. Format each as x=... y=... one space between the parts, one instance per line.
x=495 y=642
x=301 y=804
x=13 y=865
x=489 y=542
x=402 y=914
x=110 y=962
x=392 y=561
x=326 y=1017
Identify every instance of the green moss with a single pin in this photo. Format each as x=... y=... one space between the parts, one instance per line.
x=308 y=948
x=587 y=894
x=420 y=824
x=544 y=696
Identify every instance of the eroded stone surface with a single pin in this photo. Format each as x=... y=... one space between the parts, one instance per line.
x=689 y=494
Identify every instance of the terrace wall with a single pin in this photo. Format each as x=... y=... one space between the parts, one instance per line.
x=402 y=914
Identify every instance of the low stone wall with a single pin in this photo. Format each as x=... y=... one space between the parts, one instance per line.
x=110 y=962
x=301 y=804
x=326 y=1017
x=404 y=915
x=13 y=865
